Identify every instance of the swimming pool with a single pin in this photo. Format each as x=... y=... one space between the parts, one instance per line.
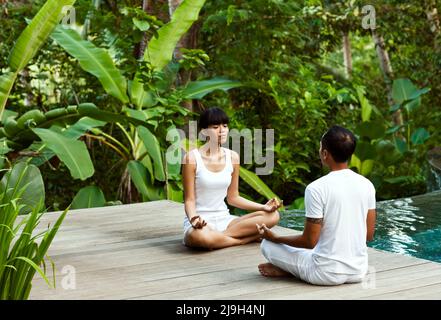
x=410 y=226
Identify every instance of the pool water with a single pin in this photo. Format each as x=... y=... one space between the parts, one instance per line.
x=410 y=226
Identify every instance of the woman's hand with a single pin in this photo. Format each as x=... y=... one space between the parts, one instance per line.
x=272 y=205
x=197 y=222
x=266 y=233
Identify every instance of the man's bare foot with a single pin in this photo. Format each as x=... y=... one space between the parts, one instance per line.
x=270 y=270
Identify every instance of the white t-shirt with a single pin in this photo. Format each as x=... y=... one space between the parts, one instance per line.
x=342 y=198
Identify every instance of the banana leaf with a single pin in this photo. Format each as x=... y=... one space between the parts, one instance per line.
x=198 y=89
x=28 y=177
x=154 y=150
x=160 y=49
x=6 y=83
x=36 y=33
x=139 y=174
x=256 y=183
x=72 y=153
x=89 y=197
x=94 y=60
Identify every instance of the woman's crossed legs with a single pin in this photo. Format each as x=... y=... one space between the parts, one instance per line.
x=240 y=231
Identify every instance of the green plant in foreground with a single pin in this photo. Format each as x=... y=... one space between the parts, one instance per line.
x=21 y=255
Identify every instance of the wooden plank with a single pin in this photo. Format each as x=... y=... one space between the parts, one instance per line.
x=136 y=252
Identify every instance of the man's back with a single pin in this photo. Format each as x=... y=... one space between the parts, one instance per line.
x=342 y=198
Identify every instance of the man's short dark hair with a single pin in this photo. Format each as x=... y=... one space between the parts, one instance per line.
x=340 y=143
x=213 y=116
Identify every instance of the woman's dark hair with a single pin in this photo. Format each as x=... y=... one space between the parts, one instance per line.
x=212 y=116
x=340 y=143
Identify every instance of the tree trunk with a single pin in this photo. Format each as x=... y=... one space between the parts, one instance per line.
x=172 y=6
x=433 y=18
x=86 y=27
x=187 y=41
x=347 y=55
x=386 y=69
x=143 y=44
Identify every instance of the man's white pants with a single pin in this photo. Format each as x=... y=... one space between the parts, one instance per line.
x=300 y=263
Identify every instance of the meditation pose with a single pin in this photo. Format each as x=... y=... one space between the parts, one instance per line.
x=340 y=219
x=211 y=174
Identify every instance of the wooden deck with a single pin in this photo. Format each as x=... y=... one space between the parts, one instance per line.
x=136 y=252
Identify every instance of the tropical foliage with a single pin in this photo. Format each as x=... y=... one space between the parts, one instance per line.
x=113 y=85
x=23 y=253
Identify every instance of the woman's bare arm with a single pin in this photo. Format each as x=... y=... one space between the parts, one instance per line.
x=188 y=175
x=233 y=197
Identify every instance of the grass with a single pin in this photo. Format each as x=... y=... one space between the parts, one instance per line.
x=22 y=254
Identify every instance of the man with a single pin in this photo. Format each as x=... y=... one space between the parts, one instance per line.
x=340 y=218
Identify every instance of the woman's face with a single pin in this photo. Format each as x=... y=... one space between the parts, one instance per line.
x=217 y=132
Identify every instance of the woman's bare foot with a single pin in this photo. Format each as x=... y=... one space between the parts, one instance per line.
x=270 y=270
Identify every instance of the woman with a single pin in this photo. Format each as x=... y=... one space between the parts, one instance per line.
x=211 y=174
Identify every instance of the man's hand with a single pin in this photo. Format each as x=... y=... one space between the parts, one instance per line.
x=272 y=205
x=197 y=222
x=266 y=233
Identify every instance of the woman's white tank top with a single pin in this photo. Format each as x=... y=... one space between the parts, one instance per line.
x=211 y=187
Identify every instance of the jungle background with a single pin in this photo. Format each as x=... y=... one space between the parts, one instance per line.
x=297 y=67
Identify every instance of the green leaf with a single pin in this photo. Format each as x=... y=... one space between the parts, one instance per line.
x=394 y=129
x=355 y=163
x=365 y=150
x=371 y=129
x=298 y=204
x=89 y=197
x=174 y=193
x=395 y=107
x=160 y=49
x=141 y=24
x=36 y=33
x=139 y=96
x=6 y=83
x=153 y=149
x=418 y=93
x=72 y=153
x=174 y=153
x=399 y=180
x=94 y=60
x=419 y=136
x=81 y=127
x=404 y=90
x=366 y=167
x=8 y=113
x=139 y=173
x=256 y=183
x=43 y=248
x=401 y=145
x=366 y=108
x=412 y=104
x=4 y=149
x=35 y=267
x=90 y=110
x=28 y=177
x=198 y=89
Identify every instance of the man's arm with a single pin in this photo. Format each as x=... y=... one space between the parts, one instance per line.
x=370 y=224
x=308 y=239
